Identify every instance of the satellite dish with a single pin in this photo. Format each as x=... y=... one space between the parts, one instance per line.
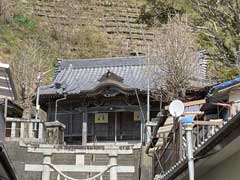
x=176 y=108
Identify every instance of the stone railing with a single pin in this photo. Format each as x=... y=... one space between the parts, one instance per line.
x=29 y=130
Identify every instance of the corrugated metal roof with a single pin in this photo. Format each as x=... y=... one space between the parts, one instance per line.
x=75 y=76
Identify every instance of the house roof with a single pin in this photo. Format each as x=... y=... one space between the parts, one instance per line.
x=224 y=85
x=82 y=75
x=7 y=87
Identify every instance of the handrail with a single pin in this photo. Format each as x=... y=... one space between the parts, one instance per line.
x=69 y=178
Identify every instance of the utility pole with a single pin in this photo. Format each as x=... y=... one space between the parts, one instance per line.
x=148 y=130
x=37 y=95
x=38 y=83
x=188 y=123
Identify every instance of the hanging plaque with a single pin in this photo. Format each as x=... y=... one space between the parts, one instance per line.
x=137 y=116
x=101 y=118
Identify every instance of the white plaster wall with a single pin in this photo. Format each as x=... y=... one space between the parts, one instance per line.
x=234 y=95
x=227 y=170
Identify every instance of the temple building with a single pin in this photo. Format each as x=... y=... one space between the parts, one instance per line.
x=100 y=100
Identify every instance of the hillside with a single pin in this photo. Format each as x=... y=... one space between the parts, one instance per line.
x=34 y=34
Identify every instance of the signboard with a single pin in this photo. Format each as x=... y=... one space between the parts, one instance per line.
x=136 y=116
x=101 y=118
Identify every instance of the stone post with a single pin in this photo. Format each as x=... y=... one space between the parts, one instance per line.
x=22 y=130
x=30 y=130
x=13 y=130
x=46 y=168
x=113 y=161
x=84 y=129
x=40 y=131
x=54 y=132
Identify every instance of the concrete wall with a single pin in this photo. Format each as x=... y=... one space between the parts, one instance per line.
x=226 y=170
x=19 y=156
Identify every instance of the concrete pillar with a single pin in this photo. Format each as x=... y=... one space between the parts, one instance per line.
x=40 y=131
x=46 y=169
x=30 y=130
x=84 y=129
x=13 y=129
x=22 y=130
x=113 y=170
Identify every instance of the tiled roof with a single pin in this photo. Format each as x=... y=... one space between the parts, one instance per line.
x=75 y=76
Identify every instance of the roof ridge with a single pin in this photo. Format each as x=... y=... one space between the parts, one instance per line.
x=103 y=62
x=101 y=58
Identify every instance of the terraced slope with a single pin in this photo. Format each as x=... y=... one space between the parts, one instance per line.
x=118 y=19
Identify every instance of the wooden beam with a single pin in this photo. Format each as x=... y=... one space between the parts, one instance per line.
x=193 y=113
x=191 y=103
x=213 y=122
x=131 y=108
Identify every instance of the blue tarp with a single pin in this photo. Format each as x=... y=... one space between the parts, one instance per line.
x=223 y=85
x=186 y=120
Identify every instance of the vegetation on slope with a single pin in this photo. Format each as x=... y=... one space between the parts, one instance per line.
x=31 y=48
x=217 y=23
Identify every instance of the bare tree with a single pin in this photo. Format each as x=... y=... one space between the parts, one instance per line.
x=28 y=61
x=173 y=55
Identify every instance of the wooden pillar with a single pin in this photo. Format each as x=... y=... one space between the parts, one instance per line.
x=115 y=128
x=49 y=111
x=144 y=131
x=142 y=127
x=84 y=128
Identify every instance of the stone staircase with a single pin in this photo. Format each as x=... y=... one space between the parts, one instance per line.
x=76 y=162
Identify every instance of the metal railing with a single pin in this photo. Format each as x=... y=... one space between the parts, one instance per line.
x=96 y=177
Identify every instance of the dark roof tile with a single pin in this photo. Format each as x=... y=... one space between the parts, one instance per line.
x=75 y=76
